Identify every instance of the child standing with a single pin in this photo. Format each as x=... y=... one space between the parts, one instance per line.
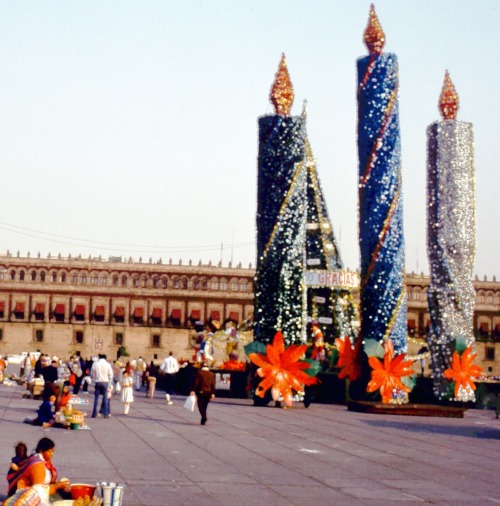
x=127 y=391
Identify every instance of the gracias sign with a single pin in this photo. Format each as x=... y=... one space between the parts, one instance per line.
x=345 y=279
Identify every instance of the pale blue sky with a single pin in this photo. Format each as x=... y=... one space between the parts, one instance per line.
x=135 y=122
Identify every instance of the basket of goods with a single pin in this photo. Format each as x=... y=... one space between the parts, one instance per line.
x=76 y=419
x=87 y=501
x=82 y=490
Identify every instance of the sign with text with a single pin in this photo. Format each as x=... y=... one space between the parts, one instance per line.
x=343 y=279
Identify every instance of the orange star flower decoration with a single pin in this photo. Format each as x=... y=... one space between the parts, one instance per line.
x=463 y=370
x=348 y=358
x=281 y=369
x=387 y=375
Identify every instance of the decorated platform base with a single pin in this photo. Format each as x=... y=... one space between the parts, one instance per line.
x=379 y=408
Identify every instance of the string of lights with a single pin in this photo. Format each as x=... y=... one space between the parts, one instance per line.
x=111 y=246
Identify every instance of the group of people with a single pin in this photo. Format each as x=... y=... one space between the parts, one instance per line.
x=203 y=386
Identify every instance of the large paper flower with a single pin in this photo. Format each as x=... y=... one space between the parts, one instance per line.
x=463 y=370
x=281 y=369
x=348 y=358
x=387 y=375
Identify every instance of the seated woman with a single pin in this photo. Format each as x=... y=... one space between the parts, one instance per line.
x=46 y=412
x=65 y=396
x=37 y=469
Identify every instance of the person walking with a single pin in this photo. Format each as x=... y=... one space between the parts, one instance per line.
x=204 y=389
x=151 y=374
x=76 y=369
x=127 y=392
x=140 y=369
x=169 y=368
x=102 y=373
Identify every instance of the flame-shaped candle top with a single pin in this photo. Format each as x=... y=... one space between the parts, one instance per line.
x=448 y=101
x=282 y=90
x=374 y=36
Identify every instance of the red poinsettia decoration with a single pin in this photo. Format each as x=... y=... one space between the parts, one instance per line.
x=349 y=358
x=281 y=369
x=463 y=370
x=387 y=375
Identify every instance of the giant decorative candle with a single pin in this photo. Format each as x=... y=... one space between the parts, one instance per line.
x=451 y=236
x=280 y=297
x=381 y=239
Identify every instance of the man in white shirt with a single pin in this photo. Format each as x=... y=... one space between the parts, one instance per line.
x=170 y=367
x=102 y=374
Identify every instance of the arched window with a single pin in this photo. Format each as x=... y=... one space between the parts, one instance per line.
x=12 y=274
x=42 y=276
x=33 y=276
x=124 y=280
x=63 y=277
x=21 y=275
x=53 y=277
x=83 y=279
x=115 y=280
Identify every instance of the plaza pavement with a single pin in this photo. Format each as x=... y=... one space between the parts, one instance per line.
x=249 y=455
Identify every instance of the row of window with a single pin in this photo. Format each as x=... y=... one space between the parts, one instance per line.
x=481 y=297
x=138 y=315
x=135 y=280
x=79 y=338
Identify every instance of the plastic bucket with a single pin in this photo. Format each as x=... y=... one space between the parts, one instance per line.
x=111 y=493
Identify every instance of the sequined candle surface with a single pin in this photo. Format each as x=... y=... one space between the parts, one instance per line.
x=281 y=217
x=451 y=239
x=383 y=295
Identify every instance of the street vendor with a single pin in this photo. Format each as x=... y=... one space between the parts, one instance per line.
x=37 y=469
x=3 y=365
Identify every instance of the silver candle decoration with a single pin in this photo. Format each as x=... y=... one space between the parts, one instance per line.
x=451 y=237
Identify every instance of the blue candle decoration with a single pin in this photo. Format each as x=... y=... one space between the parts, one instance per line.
x=280 y=302
x=381 y=238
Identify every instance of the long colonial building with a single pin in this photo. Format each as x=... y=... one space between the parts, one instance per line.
x=64 y=305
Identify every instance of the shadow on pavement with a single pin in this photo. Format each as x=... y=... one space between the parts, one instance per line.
x=466 y=431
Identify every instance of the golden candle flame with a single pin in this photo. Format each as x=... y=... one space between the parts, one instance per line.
x=282 y=94
x=374 y=36
x=448 y=101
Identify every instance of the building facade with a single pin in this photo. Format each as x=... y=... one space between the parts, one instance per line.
x=67 y=305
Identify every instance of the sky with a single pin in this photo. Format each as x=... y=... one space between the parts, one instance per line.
x=129 y=128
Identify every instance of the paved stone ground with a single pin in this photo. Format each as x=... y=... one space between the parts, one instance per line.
x=249 y=455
